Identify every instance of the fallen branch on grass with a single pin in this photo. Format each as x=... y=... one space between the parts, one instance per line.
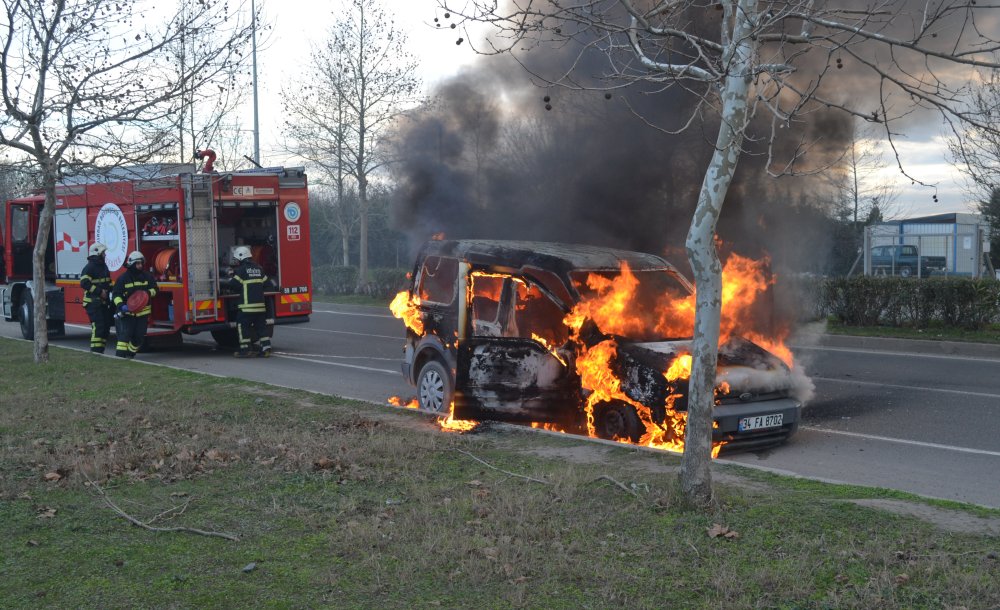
x=622 y=486
x=150 y=528
x=513 y=474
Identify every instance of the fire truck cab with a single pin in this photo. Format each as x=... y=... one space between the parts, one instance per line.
x=186 y=224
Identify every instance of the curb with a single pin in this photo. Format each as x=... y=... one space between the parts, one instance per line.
x=913 y=346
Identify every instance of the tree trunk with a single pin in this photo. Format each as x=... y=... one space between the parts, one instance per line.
x=696 y=476
x=41 y=347
x=345 y=244
x=363 y=255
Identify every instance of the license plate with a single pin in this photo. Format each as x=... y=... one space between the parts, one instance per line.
x=759 y=422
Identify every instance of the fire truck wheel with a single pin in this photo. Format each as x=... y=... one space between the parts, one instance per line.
x=27 y=317
x=617 y=420
x=434 y=388
x=227 y=338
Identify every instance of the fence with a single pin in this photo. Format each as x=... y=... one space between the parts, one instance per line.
x=923 y=249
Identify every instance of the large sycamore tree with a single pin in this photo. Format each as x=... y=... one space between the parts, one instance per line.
x=744 y=64
x=356 y=86
x=90 y=84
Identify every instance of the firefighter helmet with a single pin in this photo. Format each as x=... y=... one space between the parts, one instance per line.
x=135 y=257
x=241 y=254
x=97 y=249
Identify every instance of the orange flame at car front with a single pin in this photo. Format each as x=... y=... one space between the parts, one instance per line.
x=406 y=308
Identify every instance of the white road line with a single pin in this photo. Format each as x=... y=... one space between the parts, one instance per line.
x=903 y=441
x=907 y=387
x=339 y=332
x=850 y=350
x=277 y=353
x=341 y=364
x=351 y=313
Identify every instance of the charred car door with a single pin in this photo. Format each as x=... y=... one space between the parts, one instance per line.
x=513 y=364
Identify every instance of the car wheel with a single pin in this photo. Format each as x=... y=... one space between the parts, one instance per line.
x=228 y=338
x=434 y=388
x=617 y=421
x=905 y=272
x=27 y=317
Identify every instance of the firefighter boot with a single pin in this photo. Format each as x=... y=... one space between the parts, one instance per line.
x=265 y=348
x=243 y=353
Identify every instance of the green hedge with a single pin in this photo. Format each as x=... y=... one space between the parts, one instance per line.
x=383 y=283
x=891 y=301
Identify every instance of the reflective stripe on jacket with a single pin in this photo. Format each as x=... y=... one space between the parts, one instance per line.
x=249 y=281
x=130 y=282
x=94 y=278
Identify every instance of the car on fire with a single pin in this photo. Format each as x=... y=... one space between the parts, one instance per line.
x=488 y=338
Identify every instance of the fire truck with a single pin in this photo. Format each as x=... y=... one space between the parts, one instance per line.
x=186 y=224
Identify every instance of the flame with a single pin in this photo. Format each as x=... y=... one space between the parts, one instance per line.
x=396 y=401
x=455 y=425
x=438 y=236
x=406 y=308
x=616 y=306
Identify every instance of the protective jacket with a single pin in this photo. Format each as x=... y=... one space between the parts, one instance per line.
x=249 y=282
x=94 y=278
x=132 y=281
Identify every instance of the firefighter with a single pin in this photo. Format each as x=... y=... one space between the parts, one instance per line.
x=95 y=279
x=132 y=327
x=249 y=281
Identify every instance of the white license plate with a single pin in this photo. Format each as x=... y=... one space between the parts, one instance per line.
x=759 y=422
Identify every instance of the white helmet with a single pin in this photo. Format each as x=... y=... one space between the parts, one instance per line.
x=242 y=253
x=97 y=249
x=135 y=257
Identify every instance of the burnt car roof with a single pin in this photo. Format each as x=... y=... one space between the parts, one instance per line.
x=543 y=255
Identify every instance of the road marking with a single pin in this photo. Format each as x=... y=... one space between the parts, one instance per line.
x=351 y=313
x=341 y=364
x=902 y=354
x=908 y=387
x=277 y=353
x=339 y=332
x=903 y=441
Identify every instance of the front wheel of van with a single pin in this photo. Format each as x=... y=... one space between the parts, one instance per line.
x=434 y=388
x=617 y=421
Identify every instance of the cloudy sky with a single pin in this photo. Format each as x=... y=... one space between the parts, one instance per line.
x=296 y=29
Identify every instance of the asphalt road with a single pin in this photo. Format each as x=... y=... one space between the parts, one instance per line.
x=884 y=413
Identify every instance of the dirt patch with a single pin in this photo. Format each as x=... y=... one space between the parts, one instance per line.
x=597 y=451
x=949 y=520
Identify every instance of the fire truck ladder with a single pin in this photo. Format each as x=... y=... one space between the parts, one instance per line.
x=202 y=270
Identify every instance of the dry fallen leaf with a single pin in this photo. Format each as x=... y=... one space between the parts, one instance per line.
x=475 y=483
x=902 y=579
x=323 y=463
x=491 y=551
x=52 y=477
x=46 y=512
x=841 y=578
x=717 y=530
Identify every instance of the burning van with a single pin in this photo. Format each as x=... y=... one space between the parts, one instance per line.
x=580 y=339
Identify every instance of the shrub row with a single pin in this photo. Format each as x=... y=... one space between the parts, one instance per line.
x=383 y=283
x=880 y=301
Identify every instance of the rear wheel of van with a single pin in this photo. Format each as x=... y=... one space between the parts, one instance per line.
x=905 y=272
x=617 y=421
x=434 y=388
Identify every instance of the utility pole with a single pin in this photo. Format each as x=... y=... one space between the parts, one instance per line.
x=256 y=123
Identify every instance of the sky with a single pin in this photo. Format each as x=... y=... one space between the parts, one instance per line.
x=295 y=29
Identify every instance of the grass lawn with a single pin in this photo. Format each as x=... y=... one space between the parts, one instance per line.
x=348 y=505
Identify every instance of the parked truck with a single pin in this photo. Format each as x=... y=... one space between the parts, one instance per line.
x=185 y=224
x=902 y=260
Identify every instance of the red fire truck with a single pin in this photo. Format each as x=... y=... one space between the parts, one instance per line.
x=186 y=225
